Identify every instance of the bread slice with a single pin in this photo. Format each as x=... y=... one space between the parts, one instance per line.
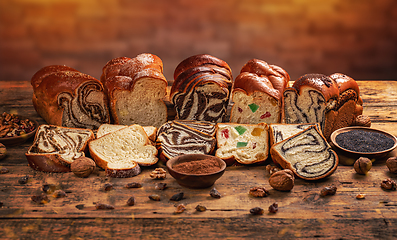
x=185 y=137
x=307 y=154
x=54 y=148
x=122 y=151
x=245 y=143
x=280 y=131
x=151 y=131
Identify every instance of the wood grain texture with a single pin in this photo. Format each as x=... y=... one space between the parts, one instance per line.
x=303 y=213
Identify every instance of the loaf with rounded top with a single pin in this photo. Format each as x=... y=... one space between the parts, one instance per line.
x=54 y=148
x=63 y=96
x=201 y=88
x=136 y=88
x=311 y=99
x=151 y=131
x=257 y=93
x=349 y=106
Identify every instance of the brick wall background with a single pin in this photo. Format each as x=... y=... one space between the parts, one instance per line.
x=355 y=37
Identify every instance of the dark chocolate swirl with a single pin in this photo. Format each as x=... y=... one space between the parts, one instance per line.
x=87 y=108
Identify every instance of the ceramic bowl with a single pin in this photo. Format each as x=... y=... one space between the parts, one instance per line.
x=355 y=154
x=12 y=141
x=195 y=180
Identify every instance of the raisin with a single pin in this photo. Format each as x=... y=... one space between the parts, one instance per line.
x=103 y=206
x=177 y=197
x=328 y=191
x=180 y=208
x=108 y=187
x=154 y=197
x=160 y=186
x=131 y=201
x=24 y=179
x=257 y=211
x=215 y=194
x=273 y=208
x=200 y=208
x=266 y=115
x=133 y=185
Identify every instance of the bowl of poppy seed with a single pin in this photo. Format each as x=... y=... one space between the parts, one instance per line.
x=196 y=170
x=363 y=142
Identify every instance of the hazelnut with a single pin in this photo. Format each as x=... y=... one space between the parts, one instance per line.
x=83 y=167
x=362 y=165
x=362 y=120
x=282 y=180
x=391 y=163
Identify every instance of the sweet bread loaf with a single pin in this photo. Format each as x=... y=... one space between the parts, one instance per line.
x=185 y=137
x=349 y=104
x=257 y=93
x=307 y=154
x=151 y=131
x=310 y=100
x=63 y=96
x=122 y=151
x=136 y=88
x=244 y=143
x=54 y=148
x=201 y=89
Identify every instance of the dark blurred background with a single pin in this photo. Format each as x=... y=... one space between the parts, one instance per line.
x=355 y=37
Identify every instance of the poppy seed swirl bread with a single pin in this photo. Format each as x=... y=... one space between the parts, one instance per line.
x=201 y=89
x=307 y=154
x=63 y=96
x=310 y=100
x=257 y=93
x=136 y=88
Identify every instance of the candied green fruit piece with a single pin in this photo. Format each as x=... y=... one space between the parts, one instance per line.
x=240 y=129
x=241 y=144
x=253 y=107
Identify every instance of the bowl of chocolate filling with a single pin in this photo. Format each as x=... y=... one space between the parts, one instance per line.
x=196 y=170
x=363 y=142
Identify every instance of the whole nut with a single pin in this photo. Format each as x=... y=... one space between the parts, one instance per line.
x=362 y=120
x=282 y=180
x=83 y=167
x=391 y=163
x=362 y=165
x=3 y=151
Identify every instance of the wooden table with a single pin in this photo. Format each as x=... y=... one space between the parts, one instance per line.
x=302 y=212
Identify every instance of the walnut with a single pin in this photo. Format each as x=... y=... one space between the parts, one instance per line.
x=362 y=120
x=282 y=180
x=362 y=165
x=3 y=151
x=83 y=167
x=158 y=173
x=272 y=169
x=258 y=192
x=391 y=163
x=388 y=184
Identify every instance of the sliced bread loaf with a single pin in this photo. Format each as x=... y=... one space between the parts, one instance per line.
x=55 y=148
x=244 y=143
x=122 y=151
x=185 y=137
x=280 y=131
x=307 y=154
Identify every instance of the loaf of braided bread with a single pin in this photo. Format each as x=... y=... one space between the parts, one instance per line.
x=201 y=88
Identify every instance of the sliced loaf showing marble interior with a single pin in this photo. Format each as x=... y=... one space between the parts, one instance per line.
x=307 y=154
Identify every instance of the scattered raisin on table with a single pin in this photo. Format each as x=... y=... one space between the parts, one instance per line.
x=59 y=194
x=154 y=197
x=257 y=211
x=24 y=179
x=4 y=170
x=41 y=199
x=103 y=206
x=180 y=208
x=131 y=201
x=108 y=187
x=177 y=197
x=133 y=185
x=215 y=194
x=200 y=208
x=273 y=208
x=160 y=186
x=328 y=191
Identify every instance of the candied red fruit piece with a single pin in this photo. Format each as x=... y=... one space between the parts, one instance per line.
x=225 y=133
x=240 y=110
x=266 y=115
